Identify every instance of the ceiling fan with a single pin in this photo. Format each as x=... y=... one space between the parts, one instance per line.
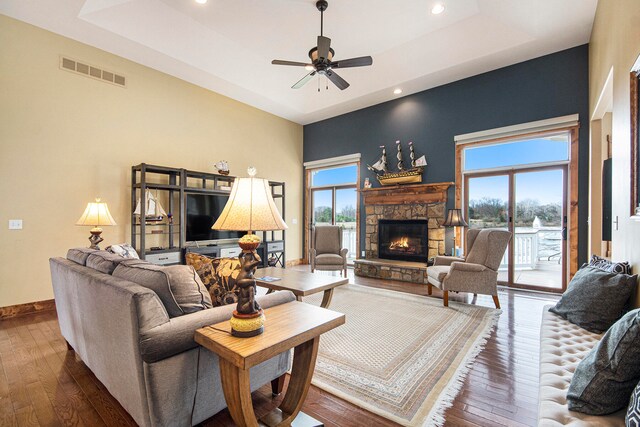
x=322 y=58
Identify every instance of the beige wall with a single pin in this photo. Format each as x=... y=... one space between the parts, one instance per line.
x=615 y=42
x=66 y=138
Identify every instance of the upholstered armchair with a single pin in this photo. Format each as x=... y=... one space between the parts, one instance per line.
x=326 y=251
x=478 y=272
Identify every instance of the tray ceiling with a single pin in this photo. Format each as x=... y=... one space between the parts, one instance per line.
x=227 y=46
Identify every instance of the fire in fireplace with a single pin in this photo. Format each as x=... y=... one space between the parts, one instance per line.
x=405 y=240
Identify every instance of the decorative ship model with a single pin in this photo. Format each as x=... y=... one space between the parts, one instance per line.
x=403 y=176
x=153 y=209
x=223 y=167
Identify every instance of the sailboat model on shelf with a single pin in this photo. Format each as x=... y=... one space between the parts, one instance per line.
x=153 y=209
x=402 y=176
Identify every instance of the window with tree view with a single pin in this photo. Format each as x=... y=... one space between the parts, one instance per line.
x=334 y=200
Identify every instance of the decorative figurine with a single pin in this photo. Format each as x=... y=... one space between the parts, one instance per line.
x=223 y=167
x=367 y=183
x=248 y=317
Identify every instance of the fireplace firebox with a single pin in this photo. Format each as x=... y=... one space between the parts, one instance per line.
x=405 y=240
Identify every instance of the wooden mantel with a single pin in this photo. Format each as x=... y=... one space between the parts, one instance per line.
x=406 y=194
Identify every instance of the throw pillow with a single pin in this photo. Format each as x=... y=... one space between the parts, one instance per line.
x=612 y=267
x=218 y=275
x=125 y=250
x=603 y=381
x=633 y=410
x=178 y=286
x=103 y=261
x=595 y=299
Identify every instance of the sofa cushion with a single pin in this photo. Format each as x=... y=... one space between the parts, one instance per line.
x=329 y=259
x=595 y=299
x=79 y=255
x=219 y=277
x=562 y=346
x=104 y=261
x=612 y=267
x=632 y=418
x=605 y=378
x=438 y=272
x=178 y=286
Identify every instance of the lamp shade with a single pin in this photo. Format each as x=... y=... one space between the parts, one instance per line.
x=96 y=214
x=250 y=208
x=455 y=219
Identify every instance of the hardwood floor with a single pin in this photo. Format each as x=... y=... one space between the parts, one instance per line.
x=41 y=383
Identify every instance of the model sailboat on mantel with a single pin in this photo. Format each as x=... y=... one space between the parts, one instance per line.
x=403 y=176
x=153 y=209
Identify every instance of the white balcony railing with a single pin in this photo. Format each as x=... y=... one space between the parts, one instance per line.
x=530 y=245
x=349 y=237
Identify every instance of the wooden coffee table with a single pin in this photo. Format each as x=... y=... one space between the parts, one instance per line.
x=301 y=283
x=292 y=325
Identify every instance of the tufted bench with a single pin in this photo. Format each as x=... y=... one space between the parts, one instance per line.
x=562 y=347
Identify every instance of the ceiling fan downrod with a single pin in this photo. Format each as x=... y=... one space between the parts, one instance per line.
x=322 y=5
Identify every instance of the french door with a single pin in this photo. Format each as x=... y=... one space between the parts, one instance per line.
x=531 y=204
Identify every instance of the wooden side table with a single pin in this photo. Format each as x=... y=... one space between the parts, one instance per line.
x=292 y=325
x=301 y=283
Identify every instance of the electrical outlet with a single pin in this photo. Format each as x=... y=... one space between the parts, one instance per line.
x=15 y=224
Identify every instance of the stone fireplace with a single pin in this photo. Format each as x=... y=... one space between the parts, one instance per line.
x=417 y=208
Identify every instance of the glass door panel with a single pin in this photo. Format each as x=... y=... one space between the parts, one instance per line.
x=322 y=207
x=346 y=201
x=488 y=207
x=539 y=221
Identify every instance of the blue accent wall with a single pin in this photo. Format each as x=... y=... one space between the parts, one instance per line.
x=550 y=86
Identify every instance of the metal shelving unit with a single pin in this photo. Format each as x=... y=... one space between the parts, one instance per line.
x=174 y=184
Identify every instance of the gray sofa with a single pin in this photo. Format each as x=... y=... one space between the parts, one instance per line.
x=148 y=361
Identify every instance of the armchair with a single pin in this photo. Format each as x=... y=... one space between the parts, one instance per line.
x=478 y=272
x=326 y=251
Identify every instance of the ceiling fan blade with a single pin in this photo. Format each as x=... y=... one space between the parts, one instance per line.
x=295 y=64
x=362 y=61
x=303 y=80
x=324 y=43
x=337 y=80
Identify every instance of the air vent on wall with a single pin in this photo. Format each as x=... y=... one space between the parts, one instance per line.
x=91 y=71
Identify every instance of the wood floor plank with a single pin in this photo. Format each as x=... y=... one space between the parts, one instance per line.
x=42 y=383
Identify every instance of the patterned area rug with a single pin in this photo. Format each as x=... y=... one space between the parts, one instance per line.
x=401 y=356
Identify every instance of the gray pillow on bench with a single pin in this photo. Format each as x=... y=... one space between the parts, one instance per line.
x=605 y=378
x=595 y=299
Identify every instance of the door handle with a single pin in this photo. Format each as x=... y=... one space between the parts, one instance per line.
x=564 y=233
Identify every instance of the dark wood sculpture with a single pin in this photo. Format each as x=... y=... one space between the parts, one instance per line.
x=247 y=303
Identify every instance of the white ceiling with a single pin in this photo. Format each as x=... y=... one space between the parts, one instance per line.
x=227 y=45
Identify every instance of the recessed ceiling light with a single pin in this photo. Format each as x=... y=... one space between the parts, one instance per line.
x=397 y=91
x=437 y=9
x=201 y=1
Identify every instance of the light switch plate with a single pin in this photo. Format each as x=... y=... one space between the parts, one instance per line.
x=15 y=224
x=294 y=220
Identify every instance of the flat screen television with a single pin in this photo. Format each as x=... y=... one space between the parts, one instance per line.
x=202 y=212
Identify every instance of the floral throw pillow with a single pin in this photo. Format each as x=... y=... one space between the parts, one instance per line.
x=218 y=275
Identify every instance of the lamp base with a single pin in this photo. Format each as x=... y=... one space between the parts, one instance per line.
x=247 y=325
x=95 y=238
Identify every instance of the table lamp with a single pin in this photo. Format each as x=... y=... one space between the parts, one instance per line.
x=454 y=219
x=96 y=215
x=250 y=208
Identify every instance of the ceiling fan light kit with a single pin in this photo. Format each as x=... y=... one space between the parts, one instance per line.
x=321 y=56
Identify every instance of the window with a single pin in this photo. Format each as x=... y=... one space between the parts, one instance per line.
x=531 y=151
x=334 y=201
